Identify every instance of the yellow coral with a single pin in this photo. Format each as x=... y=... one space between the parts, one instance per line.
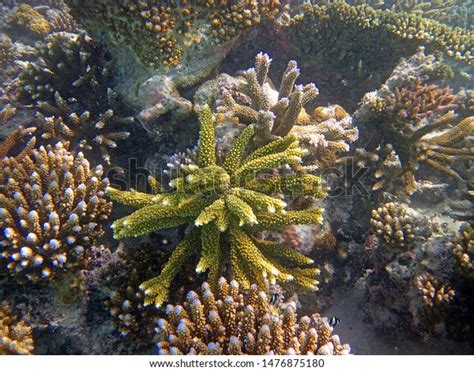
x=15 y=335
x=28 y=18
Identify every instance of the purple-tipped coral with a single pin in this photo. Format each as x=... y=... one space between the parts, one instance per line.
x=231 y=321
x=51 y=208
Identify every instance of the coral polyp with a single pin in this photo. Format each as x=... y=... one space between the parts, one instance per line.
x=52 y=207
x=223 y=204
x=236 y=322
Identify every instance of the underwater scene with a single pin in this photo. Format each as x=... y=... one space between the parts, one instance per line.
x=236 y=177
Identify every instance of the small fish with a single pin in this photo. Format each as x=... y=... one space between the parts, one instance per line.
x=275 y=299
x=333 y=321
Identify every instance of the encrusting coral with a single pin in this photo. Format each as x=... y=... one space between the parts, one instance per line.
x=223 y=204
x=27 y=18
x=234 y=322
x=391 y=222
x=324 y=133
x=164 y=33
x=70 y=87
x=413 y=123
x=15 y=335
x=52 y=207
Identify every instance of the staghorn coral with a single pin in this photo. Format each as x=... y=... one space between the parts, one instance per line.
x=166 y=33
x=52 y=206
x=234 y=322
x=323 y=20
x=27 y=18
x=15 y=335
x=391 y=222
x=434 y=294
x=324 y=133
x=70 y=87
x=414 y=129
x=223 y=204
x=463 y=250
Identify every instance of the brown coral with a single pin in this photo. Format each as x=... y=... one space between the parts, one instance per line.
x=463 y=250
x=27 y=18
x=15 y=335
x=234 y=322
x=51 y=210
x=434 y=293
x=391 y=222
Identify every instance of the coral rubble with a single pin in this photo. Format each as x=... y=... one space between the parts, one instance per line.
x=15 y=335
x=70 y=86
x=223 y=204
x=52 y=210
x=230 y=321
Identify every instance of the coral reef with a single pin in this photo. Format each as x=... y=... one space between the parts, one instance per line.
x=52 y=209
x=324 y=133
x=229 y=321
x=70 y=86
x=391 y=222
x=225 y=204
x=27 y=18
x=164 y=34
x=414 y=124
x=323 y=20
x=15 y=335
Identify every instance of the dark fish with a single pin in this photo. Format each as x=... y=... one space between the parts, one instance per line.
x=275 y=299
x=333 y=321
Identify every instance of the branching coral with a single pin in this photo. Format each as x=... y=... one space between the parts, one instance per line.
x=392 y=222
x=318 y=19
x=15 y=335
x=70 y=87
x=412 y=127
x=418 y=101
x=463 y=250
x=223 y=204
x=51 y=208
x=29 y=19
x=434 y=293
x=324 y=133
x=164 y=33
x=230 y=321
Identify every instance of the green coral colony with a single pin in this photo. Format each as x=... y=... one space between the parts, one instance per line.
x=248 y=202
x=225 y=203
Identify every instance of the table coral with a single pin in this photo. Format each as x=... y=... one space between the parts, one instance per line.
x=223 y=204
x=318 y=19
x=234 y=322
x=52 y=207
x=15 y=336
x=70 y=86
x=325 y=132
x=166 y=33
x=27 y=18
